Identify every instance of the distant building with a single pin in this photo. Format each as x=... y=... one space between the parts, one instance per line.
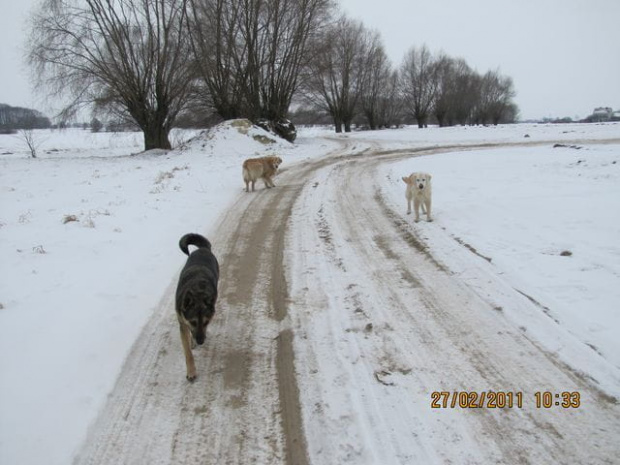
x=602 y=114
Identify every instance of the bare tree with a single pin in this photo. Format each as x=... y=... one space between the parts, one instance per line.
x=494 y=103
x=456 y=92
x=501 y=92
x=95 y=125
x=390 y=106
x=249 y=53
x=128 y=56
x=216 y=38
x=375 y=87
x=27 y=135
x=446 y=76
x=419 y=83
x=290 y=25
x=338 y=71
x=463 y=94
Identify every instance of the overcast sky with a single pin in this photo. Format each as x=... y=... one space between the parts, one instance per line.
x=563 y=55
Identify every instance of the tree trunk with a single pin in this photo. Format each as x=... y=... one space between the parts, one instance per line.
x=370 y=116
x=156 y=137
x=338 y=125
x=441 y=119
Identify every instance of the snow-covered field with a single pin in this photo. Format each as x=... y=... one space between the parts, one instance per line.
x=548 y=219
x=89 y=231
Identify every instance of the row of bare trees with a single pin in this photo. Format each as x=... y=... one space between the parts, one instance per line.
x=151 y=61
x=351 y=76
x=460 y=95
x=14 y=118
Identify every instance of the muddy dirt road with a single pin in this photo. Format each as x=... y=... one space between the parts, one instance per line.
x=334 y=326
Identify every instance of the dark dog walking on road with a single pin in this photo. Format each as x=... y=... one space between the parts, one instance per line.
x=196 y=295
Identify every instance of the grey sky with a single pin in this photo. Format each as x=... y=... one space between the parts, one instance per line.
x=563 y=55
x=14 y=86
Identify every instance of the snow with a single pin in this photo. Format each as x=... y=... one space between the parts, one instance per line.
x=75 y=295
x=88 y=234
x=523 y=209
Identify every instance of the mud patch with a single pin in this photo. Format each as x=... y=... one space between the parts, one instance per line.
x=406 y=234
x=405 y=274
x=382 y=243
x=292 y=422
x=546 y=310
x=263 y=139
x=472 y=249
x=326 y=237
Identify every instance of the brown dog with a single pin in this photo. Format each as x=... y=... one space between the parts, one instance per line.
x=419 y=190
x=260 y=168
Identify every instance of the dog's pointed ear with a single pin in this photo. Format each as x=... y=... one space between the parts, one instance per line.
x=406 y=180
x=429 y=177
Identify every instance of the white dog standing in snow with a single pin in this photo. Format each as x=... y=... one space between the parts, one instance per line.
x=419 y=190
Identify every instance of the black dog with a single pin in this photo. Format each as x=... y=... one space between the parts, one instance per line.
x=196 y=295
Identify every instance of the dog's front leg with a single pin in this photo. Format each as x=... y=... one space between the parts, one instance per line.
x=428 y=211
x=187 y=350
x=416 y=207
x=408 y=206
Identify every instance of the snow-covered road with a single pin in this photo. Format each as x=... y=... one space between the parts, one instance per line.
x=382 y=323
x=337 y=322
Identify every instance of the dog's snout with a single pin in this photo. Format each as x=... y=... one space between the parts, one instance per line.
x=421 y=186
x=200 y=339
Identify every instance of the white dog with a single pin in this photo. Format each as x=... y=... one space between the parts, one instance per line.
x=419 y=190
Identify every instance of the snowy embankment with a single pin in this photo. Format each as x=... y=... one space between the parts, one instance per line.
x=88 y=244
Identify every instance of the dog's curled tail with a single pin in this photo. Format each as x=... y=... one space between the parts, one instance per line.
x=193 y=239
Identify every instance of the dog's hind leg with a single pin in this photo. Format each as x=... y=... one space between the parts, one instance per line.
x=186 y=337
